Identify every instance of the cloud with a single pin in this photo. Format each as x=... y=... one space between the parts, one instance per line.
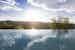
x=49 y=7
x=70 y=4
x=9 y=5
x=9 y=9
x=53 y=5
x=9 y=2
x=58 y=8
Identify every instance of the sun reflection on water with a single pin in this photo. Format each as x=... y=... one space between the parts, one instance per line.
x=33 y=32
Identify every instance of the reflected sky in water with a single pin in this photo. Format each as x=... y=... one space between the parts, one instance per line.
x=34 y=39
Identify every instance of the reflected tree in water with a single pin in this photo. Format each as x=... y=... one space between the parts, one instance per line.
x=60 y=27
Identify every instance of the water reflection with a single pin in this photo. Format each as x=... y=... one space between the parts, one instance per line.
x=37 y=40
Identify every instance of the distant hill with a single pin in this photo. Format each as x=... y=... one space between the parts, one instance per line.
x=37 y=25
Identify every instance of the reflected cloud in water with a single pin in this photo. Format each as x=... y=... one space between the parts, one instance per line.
x=28 y=39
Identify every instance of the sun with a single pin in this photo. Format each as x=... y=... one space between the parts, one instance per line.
x=34 y=15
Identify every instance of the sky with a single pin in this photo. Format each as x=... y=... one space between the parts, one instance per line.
x=36 y=10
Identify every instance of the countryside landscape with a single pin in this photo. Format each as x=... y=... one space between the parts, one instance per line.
x=37 y=25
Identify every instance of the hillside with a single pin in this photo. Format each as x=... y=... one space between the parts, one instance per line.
x=37 y=25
